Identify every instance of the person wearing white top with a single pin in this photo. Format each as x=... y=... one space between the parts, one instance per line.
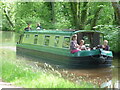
x=82 y=46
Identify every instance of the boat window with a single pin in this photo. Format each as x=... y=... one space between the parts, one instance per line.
x=35 y=38
x=46 y=40
x=56 y=41
x=86 y=39
x=66 y=42
x=101 y=39
x=27 y=35
x=36 y=35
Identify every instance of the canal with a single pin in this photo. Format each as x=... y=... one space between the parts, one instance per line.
x=103 y=77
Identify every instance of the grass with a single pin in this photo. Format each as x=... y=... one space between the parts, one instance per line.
x=20 y=74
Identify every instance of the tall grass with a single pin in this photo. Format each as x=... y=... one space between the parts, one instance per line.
x=20 y=74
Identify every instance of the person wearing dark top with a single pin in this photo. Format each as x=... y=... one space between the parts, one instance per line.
x=105 y=46
x=28 y=28
x=39 y=26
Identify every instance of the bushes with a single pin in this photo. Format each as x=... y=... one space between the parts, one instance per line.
x=111 y=33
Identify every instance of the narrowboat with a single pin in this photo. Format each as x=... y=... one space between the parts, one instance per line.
x=53 y=46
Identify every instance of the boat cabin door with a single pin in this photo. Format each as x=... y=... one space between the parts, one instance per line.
x=92 y=39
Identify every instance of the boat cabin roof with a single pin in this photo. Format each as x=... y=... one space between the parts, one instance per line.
x=61 y=32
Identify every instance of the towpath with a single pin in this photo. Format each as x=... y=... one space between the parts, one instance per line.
x=6 y=85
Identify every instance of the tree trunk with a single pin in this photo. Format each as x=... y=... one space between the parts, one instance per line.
x=83 y=15
x=8 y=18
x=74 y=14
x=51 y=8
x=79 y=17
x=52 y=12
x=116 y=7
x=94 y=21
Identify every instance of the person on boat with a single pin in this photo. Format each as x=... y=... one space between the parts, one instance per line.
x=73 y=44
x=28 y=28
x=82 y=46
x=39 y=26
x=105 y=46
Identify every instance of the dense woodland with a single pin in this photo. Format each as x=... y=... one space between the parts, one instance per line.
x=101 y=16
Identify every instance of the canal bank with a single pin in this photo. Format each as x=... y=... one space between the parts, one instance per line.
x=7 y=85
x=20 y=73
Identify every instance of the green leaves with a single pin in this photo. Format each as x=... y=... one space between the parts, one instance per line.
x=61 y=15
x=58 y=15
x=111 y=34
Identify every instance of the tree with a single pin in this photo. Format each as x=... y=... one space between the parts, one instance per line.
x=51 y=8
x=116 y=7
x=8 y=16
x=95 y=18
x=79 y=14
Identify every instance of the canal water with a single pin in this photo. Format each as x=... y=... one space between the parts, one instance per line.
x=103 y=77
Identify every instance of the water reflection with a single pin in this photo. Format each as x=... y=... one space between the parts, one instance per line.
x=8 y=38
x=103 y=77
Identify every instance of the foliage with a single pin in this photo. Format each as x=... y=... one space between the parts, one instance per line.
x=61 y=15
x=8 y=16
x=111 y=33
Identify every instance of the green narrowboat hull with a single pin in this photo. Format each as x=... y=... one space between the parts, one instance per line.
x=63 y=57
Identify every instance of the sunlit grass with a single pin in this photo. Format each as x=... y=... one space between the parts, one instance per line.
x=20 y=74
